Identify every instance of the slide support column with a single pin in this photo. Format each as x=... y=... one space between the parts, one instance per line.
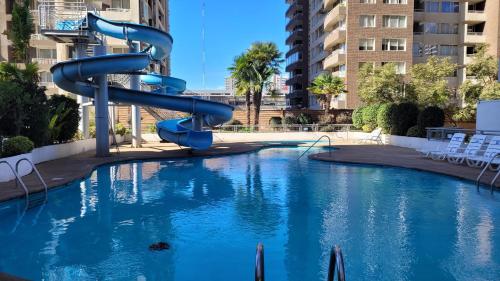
x=101 y=109
x=83 y=110
x=136 y=110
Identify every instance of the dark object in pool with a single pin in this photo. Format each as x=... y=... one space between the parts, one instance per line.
x=160 y=246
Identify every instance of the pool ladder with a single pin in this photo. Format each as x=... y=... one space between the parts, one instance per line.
x=31 y=201
x=336 y=264
x=495 y=178
x=320 y=138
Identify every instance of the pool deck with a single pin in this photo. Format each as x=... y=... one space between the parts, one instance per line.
x=387 y=155
x=66 y=170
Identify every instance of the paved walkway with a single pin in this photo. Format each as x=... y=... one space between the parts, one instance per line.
x=388 y=155
x=66 y=170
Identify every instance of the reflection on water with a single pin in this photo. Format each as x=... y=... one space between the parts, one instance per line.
x=392 y=224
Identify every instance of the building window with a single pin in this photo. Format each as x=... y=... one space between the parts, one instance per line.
x=448 y=50
x=364 y=64
x=431 y=6
x=367 y=1
x=45 y=77
x=395 y=1
x=394 y=21
x=450 y=7
x=120 y=4
x=367 y=21
x=47 y=53
x=448 y=28
x=400 y=66
x=431 y=27
x=367 y=44
x=417 y=50
x=394 y=44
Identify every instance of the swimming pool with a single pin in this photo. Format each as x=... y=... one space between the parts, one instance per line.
x=392 y=224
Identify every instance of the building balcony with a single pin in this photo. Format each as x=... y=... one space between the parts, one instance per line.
x=118 y=14
x=295 y=65
x=335 y=37
x=293 y=8
x=294 y=22
x=294 y=35
x=475 y=38
x=293 y=50
x=334 y=59
x=328 y=4
x=296 y=79
x=334 y=16
x=45 y=61
x=340 y=74
x=475 y=16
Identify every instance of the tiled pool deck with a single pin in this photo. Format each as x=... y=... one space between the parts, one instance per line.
x=63 y=171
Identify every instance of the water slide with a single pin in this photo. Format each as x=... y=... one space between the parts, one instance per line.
x=74 y=76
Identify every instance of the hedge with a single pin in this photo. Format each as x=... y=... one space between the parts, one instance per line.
x=384 y=117
x=63 y=118
x=17 y=145
x=403 y=117
x=413 y=132
x=369 y=114
x=431 y=116
x=357 y=117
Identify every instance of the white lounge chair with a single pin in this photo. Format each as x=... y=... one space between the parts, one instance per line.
x=483 y=157
x=455 y=143
x=475 y=144
x=375 y=136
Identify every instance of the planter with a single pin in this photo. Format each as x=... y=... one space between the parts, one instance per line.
x=24 y=167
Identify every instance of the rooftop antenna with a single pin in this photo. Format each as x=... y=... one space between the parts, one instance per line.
x=203 y=49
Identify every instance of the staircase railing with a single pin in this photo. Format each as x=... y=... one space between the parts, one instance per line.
x=323 y=136
x=18 y=179
x=39 y=176
x=336 y=264
x=259 y=263
x=486 y=167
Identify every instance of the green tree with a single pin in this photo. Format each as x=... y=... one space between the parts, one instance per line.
x=21 y=30
x=429 y=82
x=29 y=112
x=484 y=87
x=243 y=74
x=265 y=59
x=326 y=87
x=377 y=85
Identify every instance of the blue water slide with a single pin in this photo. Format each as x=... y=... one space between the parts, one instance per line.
x=74 y=76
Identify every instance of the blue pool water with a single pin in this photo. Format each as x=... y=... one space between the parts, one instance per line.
x=392 y=224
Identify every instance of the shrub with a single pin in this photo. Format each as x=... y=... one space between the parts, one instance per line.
x=304 y=119
x=121 y=130
x=289 y=120
x=64 y=118
x=357 y=117
x=431 y=116
x=413 y=132
x=328 y=128
x=343 y=118
x=403 y=117
x=152 y=129
x=275 y=121
x=370 y=117
x=234 y=122
x=17 y=145
x=384 y=116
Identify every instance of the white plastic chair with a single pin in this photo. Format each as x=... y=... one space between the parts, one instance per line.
x=475 y=144
x=482 y=157
x=456 y=142
x=375 y=136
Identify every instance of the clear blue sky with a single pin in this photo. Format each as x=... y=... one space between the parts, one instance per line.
x=231 y=27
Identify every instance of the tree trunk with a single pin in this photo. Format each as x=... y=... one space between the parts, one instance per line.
x=257 y=100
x=248 y=104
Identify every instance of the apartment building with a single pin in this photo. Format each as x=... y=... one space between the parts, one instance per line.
x=403 y=32
x=297 y=57
x=47 y=52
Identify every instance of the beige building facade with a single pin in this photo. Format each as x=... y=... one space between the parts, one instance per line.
x=404 y=32
x=47 y=52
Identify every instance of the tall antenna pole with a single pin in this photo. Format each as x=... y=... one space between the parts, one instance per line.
x=203 y=49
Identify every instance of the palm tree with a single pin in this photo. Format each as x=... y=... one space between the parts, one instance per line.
x=326 y=87
x=265 y=59
x=243 y=74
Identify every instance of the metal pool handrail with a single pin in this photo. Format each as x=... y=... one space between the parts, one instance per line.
x=336 y=262
x=35 y=170
x=323 y=136
x=18 y=178
x=259 y=263
x=492 y=184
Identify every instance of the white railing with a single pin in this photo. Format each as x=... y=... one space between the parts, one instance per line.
x=120 y=10
x=44 y=60
x=334 y=128
x=38 y=36
x=62 y=15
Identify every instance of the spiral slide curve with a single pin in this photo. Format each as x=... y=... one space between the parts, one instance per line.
x=73 y=76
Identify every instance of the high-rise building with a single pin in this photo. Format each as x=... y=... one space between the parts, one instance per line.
x=404 y=32
x=278 y=82
x=297 y=57
x=47 y=52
